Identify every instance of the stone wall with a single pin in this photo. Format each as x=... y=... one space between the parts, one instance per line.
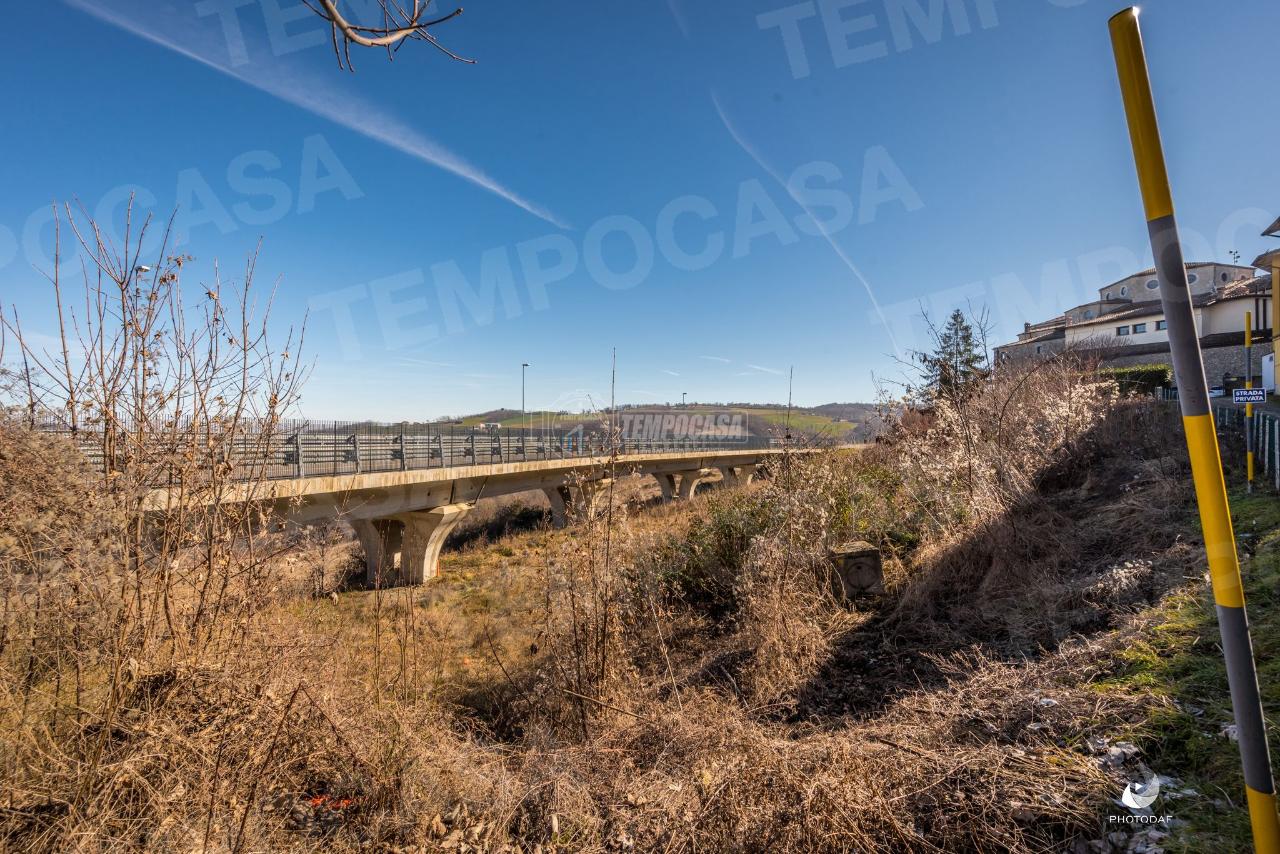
x=1230 y=360
x=1217 y=361
x=1020 y=350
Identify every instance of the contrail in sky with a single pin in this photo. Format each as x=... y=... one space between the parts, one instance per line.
x=755 y=155
x=679 y=16
x=349 y=111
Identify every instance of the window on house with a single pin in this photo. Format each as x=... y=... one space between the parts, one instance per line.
x=1153 y=284
x=1224 y=277
x=1122 y=330
x=1037 y=348
x=1160 y=324
x=1139 y=328
x=1088 y=314
x=1124 y=292
x=1107 y=295
x=1192 y=279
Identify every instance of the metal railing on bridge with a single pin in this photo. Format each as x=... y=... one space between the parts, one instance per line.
x=297 y=449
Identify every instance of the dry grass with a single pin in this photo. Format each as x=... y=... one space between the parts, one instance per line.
x=655 y=678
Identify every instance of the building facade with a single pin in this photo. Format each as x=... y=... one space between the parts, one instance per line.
x=1126 y=325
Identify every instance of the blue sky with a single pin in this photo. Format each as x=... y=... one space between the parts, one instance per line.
x=717 y=189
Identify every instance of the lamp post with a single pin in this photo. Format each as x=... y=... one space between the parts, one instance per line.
x=791 y=375
x=523 y=367
x=683 y=395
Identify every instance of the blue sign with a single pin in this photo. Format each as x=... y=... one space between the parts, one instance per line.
x=1249 y=395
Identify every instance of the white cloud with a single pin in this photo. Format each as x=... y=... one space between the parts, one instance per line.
x=424 y=363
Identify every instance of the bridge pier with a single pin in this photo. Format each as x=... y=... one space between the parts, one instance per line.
x=738 y=475
x=582 y=499
x=592 y=496
x=424 y=535
x=381 y=540
x=689 y=481
x=560 y=499
x=667 y=483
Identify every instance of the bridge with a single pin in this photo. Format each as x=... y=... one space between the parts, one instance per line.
x=404 y=488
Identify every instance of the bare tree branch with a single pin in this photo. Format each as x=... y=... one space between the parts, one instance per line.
x=398 y=26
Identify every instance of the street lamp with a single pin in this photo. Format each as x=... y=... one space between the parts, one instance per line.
x=791 y=375
x=523 y=367
x=683 y=394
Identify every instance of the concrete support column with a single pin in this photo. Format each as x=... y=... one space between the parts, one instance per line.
x=424 y=535
x=667 y=483
x=689 y=481
x=592 y=496
x=380 y=539
x=560 y=501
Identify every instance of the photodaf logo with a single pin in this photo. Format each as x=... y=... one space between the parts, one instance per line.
x=668 y=426
x=1138 y=796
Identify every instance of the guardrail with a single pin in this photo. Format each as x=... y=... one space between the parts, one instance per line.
x=297 y=449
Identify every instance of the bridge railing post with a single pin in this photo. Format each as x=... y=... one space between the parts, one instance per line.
x=333 y=455
x=296 y=439
x=355 y=449
x=404 y=449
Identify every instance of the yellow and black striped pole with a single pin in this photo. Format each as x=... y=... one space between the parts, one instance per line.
x=1202 y=441
x=1248 y=407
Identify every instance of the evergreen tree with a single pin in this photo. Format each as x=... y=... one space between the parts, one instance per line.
x=957 y=360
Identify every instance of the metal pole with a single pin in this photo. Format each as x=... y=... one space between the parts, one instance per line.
x=1248 y=407
x=1264 y=432
x=523 y=367
x=1202 y=440
x=791 y=375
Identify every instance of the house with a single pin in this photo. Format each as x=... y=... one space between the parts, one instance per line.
x=1270 y=260
x=1125 y=325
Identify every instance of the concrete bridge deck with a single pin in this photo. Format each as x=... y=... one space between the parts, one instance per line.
x=409 y=513
x=412 y=512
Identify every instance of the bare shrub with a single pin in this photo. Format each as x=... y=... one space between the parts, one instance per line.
x=1007 y=479
x=132 y=557
x=702 y=565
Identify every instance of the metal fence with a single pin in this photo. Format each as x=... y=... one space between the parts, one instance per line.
x=1266 y=439
x=296 y=449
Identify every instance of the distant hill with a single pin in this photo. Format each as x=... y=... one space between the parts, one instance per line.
x=845 y=422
